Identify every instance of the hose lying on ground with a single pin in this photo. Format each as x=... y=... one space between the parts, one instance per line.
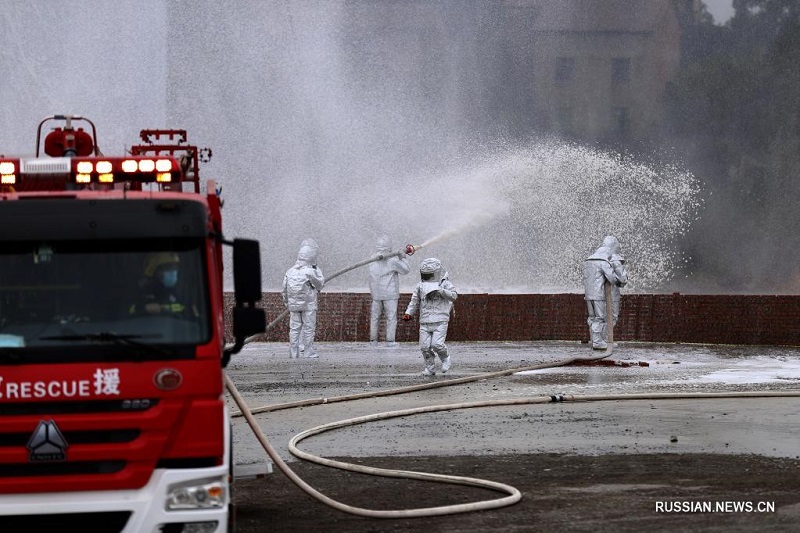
x=513 y=494
x=489 y=403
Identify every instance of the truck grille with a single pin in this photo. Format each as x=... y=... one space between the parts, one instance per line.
x=60 y=469
x=108 y=522
x=60 y=408
x=76 y=437
x=104 y=445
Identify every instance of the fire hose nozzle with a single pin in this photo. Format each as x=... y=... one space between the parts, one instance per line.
x=410 y=249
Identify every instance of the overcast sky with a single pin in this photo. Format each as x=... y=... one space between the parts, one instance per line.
x=721 y=10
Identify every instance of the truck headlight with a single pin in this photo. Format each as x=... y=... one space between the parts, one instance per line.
x=204 y=494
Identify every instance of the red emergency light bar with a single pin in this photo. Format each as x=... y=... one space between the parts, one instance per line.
x=89 y=170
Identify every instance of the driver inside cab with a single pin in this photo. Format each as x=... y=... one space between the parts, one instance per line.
x=160 y=292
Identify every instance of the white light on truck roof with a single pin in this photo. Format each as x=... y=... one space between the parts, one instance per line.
x=164 y=165
x=130 y=165
x=85 y=167
x=8 y=167
x=52 y=165
x=103 y=167
x=147 y=165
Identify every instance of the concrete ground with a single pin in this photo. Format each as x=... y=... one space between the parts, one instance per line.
x=578 y=464
x=264 y=375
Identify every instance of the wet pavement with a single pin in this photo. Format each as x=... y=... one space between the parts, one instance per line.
x=265 y=376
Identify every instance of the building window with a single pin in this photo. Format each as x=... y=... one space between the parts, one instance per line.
x=564 y=119
x=565 y=69
x=621 y=120
x=621 y=70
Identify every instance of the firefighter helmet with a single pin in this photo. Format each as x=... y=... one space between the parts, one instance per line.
x=430 y=265
x=160 y=259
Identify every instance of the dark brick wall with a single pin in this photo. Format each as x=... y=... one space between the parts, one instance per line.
x=712 y=319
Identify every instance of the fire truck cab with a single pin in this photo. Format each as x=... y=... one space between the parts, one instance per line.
x=112 y=337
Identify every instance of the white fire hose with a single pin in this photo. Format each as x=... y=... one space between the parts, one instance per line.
x=513 y=495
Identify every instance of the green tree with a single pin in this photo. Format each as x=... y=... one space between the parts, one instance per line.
x=737 y=104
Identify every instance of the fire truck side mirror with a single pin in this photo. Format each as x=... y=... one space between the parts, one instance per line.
x=246 y=271
x=247 y=318
x=248 y=321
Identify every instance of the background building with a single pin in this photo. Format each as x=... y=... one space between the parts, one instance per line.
x=590 y=69
x=601 y=67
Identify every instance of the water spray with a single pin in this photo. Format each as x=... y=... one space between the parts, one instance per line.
x=411 y=248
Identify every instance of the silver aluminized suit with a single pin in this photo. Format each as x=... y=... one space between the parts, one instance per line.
x=300 y=286
x=434 y=300
x=596 y=272
x=384 y=288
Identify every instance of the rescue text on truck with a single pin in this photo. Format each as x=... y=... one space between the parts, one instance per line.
x=112 y=340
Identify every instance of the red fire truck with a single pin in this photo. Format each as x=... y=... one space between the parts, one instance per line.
x=112 y=337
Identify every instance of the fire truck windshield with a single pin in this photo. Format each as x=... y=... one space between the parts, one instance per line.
x=92 y=299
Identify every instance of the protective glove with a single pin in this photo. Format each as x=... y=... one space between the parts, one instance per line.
x=406 y=317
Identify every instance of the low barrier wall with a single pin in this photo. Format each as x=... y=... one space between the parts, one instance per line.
x=673 y=318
